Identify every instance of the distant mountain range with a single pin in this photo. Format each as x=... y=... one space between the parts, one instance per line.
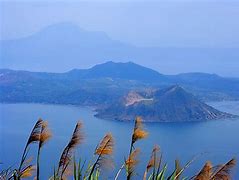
x=80 y=86
x=171 y=104
x=104 y=86
x=70 y=45
x=128 y=71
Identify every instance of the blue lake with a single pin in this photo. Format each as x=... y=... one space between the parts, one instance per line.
x=218 y=140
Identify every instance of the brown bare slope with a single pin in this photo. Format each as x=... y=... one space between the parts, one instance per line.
x=172 y=104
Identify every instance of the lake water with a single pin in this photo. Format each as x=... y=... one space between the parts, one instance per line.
x=218 y=140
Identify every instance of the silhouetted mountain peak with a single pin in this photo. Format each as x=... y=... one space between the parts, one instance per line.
x=118 y=70
x=127 y=70
x=65 y=36
x=120 y=65
x=67 y=28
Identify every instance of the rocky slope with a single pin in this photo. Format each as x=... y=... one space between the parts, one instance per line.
x=171 y=104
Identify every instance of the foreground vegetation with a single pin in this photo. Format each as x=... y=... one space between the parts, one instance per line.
x=69 y=168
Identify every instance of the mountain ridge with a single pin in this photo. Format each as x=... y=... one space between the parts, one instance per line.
x=128 y=70
x=123 y=76
x=105 y=86
x=182 y=75
x=70 y=45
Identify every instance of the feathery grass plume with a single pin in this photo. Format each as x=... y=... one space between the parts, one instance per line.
x=68 y=172
x=35 y=134
x=106 y=145
x=223 y=172
x=66 y=155
x=205 y=173
x=45 y=135
x=138 y=133
x=131 y=162
x=103 y=150
x=34 y=137
x=27 y=172
x=153 y=162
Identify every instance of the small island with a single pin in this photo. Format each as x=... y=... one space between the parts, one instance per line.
x=172 y=104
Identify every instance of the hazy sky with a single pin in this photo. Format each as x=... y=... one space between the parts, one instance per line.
x=163 y=23
x=178 y=23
